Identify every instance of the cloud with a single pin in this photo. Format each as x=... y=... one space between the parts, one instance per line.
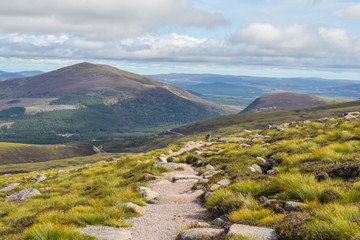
x=352 y=12
x=106 y=19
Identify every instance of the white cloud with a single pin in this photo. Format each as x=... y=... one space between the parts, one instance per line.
x=352 y=12
x=101 y=19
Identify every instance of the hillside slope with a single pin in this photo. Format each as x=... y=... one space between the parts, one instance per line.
x=288 y=101
x=89 y=102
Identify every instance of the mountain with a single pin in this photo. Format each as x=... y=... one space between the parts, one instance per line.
x=9 y=75
x=90 y=102
x=288 y=101
x=250 y=87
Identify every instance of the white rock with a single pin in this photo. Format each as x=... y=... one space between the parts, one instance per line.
x=134 y=207
x=23 y=194
x=258 y=233
x=224 y=182
x=199 y=234
x=261 y=159
x=9 y=187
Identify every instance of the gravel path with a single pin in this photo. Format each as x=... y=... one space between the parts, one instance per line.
x=176 y=206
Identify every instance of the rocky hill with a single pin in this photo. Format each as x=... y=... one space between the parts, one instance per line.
x=89 y=102
x=298 y=180
x=288 y=101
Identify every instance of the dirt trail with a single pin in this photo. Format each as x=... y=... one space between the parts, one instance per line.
x=164 y=216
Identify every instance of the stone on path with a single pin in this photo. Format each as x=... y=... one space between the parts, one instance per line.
x=9 y=187
x=147 y=193
x=199 y=234
x=258 y=233
x=107 y=233
x=134 y=207
x=23 y=194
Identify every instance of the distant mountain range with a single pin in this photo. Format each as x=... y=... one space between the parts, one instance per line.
x=247 y=87
x=89 y=102
x=9 y=75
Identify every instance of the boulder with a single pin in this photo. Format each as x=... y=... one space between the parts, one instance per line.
x=258 y=233
x=9 y=187
x=224 y=182
x=147 y=193
x=209 y=167
x=23 y=194
x=199 y=234
x=134 y=207
x=293 y=206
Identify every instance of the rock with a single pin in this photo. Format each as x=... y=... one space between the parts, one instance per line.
x=198 y=153
x=174 y=198
x=215 y=187
x=199 y=234
x=162 y=159
x=251 y=169
x=271 y=172
x=241 y=130
x=258 y=233
x=40 y=179
x=147 y=193
x=23 y=194
x=134 y=207
x=234 y=139
x=209 y=167
x=170 y=151
x=9 y=187
x=202 y=224
x=208 y=194
x=203 y=181
x=62 y=172
x=224 y=182
x=293 y=206
x=244 y=145
x=257 y=168
x=186 y=167
x=218 y=222
x=209 y=174
x=148 y=177
x=262 y=160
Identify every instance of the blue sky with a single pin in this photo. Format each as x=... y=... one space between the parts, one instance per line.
x=277 y=38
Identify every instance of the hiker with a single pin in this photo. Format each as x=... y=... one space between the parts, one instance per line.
x=208 y=137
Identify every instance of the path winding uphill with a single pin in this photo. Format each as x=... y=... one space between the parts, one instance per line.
x=171 y=205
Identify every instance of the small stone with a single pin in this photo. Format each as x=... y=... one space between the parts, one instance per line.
x=262 y=160
x=293 y=206
x=198 y=153
x=218 y=222
x=170 y=151
x=224 y=182
x=257 y=168
x=147 y=193
x=40 y=179
x=252 y=169
x=162 y=159
x=202 y=224
x=10 y=187
x=209 y=167
x=244 y=145
x=208 y=194
x=215 y=187
x=258 y=233
x=62 y=172
x=271 y=172
x=148 y=177
x=134 y=207
x=204 y=181
x=23 y=194
x=199 y=234
x=209 y=174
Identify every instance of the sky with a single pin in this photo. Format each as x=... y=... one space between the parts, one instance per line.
x=275 y=38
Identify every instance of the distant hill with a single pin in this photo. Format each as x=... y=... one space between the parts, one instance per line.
x=288 y=101
x=227 y=124
x=10 y=75
x=90 y=102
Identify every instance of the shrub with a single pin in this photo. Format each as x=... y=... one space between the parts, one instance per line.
x=329 y=195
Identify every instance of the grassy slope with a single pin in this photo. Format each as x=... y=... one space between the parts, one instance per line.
x=228 y=123
x=316 y=163
x=13 y=153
